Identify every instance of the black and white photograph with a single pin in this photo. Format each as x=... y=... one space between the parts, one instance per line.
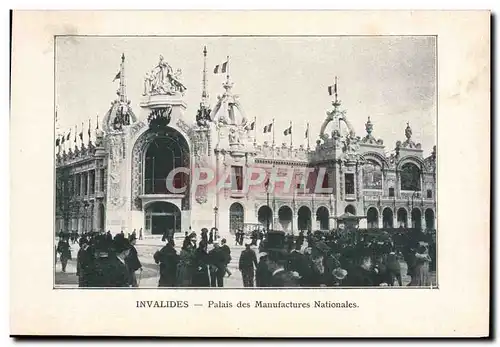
x=259 y=162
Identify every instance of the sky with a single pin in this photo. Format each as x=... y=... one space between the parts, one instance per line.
x=390 y=79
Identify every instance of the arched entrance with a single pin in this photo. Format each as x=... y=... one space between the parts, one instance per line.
x=285 y=217
x=429 y=219
x=163 y=155
x=350 y=209
x=410 y=177
x=236 y=217
x=416 y=219
x=402 y=218
x=323 y=216
x=265 y=216
x=162 y=217
x=387 y=218
x=372 y=217
x=304 y=218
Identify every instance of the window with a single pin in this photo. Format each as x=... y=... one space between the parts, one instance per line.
x=85 y=184
x=410 y=177
x=372 y=175
x=92 y=182
x=349 y=183
x=237 y=178
x=78 y=184
x=103 y=181
x=391 y=192
x=429 y=194
x=325 y=184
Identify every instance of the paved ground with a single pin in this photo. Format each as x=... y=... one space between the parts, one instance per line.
x=150 y=275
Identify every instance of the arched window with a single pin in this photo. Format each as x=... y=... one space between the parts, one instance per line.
x=323 y=216
x=350 y=209
x=387 y=218
x=265 y=216
x=416 y=219
x=236 y=217
x=285 y=216
x=304 y=218
x=372 y=175
x=410 y=177
x=402 y=218
x=372 y=217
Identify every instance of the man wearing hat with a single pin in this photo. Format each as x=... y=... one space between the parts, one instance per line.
x=247 y=265
x=132 y=261
x=110 y=268
x=84 y=262
x=64 y=250
x=217 y=265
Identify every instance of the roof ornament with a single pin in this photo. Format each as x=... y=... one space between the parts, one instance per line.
x=162 y=80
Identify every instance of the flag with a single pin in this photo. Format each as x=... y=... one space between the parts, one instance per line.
x=251 y=126
x=222 y=68
x=332 y=89
x=307 y=131
x=62 y=140
x=68 y=136
x=89 y=129
x=75 y=134
x=118 y=75
x=58 y=141
x=268 y=128
x=288 y=131
x=97 y=123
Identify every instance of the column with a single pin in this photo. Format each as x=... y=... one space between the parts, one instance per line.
x=82 y=177
x=88 y=192
x=423 y=223
x=97 y=183
x=380 y=220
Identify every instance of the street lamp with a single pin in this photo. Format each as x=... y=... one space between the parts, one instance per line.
x=216 y=210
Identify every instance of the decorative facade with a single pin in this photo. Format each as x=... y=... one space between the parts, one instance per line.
x=124 y=181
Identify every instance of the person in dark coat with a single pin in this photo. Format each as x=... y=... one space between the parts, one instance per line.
x=393 y=269
x=133 y=262
x=247 y=265
x=204 y=236
x=211 y=238
x=300 y=240
x=64 y=249
x=84 y=263
x=361 y=275
x=110 y=269
x=218 y=263
x=301 y=264
x=201 y=263
x=262 y=273
x=280 y=276
x=168 y=259
x=227 y=253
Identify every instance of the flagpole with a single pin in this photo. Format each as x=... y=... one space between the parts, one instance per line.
x=227 y=71
x=273 y=141
x=308 y=135
x=254 y=130
x=291 y=135
x=76 y=130
x=81 y=138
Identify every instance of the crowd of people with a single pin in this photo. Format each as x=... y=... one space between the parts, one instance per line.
x=307 y=259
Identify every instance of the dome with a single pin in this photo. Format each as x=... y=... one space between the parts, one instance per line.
x=120 y=114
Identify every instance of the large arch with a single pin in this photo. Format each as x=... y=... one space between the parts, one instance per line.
x=387 y=218
x=145 y=138
x=350 y=209
x=372 y=175
x=416 y=218
x=323 y=216
x=285 y=217
x=402 y=217
x=372 y=217
x=304 y=218
x=236 y=217
x=265 y=216
x=162 y=156
x=161 y=217
x=429 y=219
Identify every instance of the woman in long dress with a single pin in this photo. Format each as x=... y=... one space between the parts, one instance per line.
x=420 y=276
x=185 y=267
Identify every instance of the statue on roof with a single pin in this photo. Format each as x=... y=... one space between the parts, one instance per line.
x=163 y=81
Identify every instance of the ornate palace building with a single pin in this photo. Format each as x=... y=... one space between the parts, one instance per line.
x=120 y=182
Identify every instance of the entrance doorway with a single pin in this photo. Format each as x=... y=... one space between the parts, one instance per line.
x=162 y=217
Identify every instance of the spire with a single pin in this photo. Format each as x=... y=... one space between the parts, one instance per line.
x=122 y=91
x=369 y=126
x=204 y=93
